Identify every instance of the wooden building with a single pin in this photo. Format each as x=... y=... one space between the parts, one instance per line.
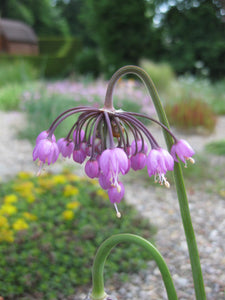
x=17 y=38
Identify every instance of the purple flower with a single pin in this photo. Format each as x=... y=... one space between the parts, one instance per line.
x=92 y=168
x=105 y=181
x=159 y=161
x=116 y=193
x=65 y=147
x=139 y=146
x=138 y=161
x=47 y=151
x=103 y=135
x=43 y=135
x=113 y=161
x=79 y=156
x=183 y=150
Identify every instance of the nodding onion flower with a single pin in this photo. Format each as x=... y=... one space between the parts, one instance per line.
x=111 y=142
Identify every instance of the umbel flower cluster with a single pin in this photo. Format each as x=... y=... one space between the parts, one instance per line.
x=110 y=142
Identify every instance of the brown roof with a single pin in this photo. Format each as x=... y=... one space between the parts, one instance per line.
x=17 y=31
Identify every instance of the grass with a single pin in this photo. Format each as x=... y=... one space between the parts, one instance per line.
x=50 y=229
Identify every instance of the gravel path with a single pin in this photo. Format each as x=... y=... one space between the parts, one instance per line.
x=161 y=207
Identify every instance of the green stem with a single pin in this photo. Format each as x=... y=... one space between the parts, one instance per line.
x=105 y=249
x=181 y=192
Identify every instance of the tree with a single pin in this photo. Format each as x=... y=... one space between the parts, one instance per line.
x=194 y=36
x=119 y=28
x=40 y=14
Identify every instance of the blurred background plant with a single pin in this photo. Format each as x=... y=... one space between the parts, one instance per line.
x=81 y=43
x=50 y=228
x=191 y=115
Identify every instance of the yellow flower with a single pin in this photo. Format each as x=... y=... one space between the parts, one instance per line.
x=59 y=179
x=8 y=209
x=3 y=223
x=102 y=194
x=72 y=177
x=24 y=175
x=95 y=182
x=29 y=216
x=24 y=186
x=29 y=197
x=46 y=183
x=70 y=190
x=20 y=224
x=11 y=198
x=68 y=214
x=73 y=205
x=6 y=236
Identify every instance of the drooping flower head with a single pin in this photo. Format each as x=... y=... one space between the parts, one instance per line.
x=111 y=142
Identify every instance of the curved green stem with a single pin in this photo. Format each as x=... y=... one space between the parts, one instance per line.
x=181 y=192
x=103 y=252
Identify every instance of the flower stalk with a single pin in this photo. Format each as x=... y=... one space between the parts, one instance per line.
x=103 y=252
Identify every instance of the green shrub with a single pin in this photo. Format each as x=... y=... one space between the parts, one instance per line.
x=50 y=45
x=50 y=229
x=191 y=115
x=42 y=110
x=87 y=62
x=10 y=96
x=161 y=73
x=211 y=93
x=55 y=63
x=15 y=70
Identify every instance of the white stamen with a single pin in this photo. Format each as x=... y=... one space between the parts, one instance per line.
x=40 y=163
x=118 y=187
x=192 y=161
x=118 y=214
x=167 y=184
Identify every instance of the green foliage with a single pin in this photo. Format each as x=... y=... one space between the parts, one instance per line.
x=10 y=96
x=120 y=29
x=15 y=76
x=161 y=73
x=56 y=59
x=217 y=147
x=51 y=227
x=15 y=71
x=211 y=93
x=41 y=15
x=191 y=114
x=194 y=37
x=42 y=110
x=87 y=62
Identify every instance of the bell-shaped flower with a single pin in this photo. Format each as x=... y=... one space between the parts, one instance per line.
x=43 y=135
x=138 y=161
x=47 y=151
x=183 y=150
x=116 y=193
x=113 y=161
x=66 y=147
x=159 y=161
x=79 y=155
x=104 y=181
x=92 y=168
